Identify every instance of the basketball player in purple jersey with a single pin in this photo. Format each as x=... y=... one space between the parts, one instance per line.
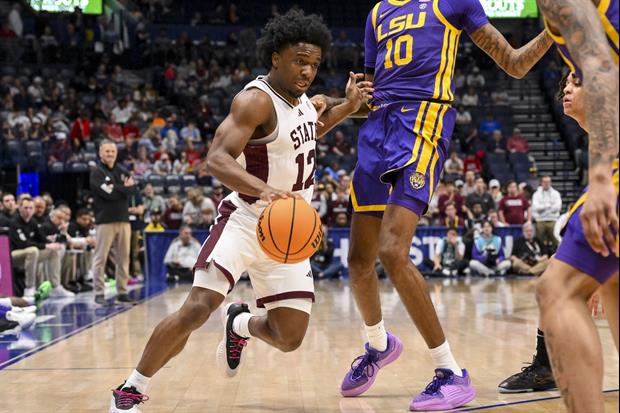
x=586 y=34
x=410 y=53
x=254 y=153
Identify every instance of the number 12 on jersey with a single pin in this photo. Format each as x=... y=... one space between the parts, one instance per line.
x=301 y=163
x=394 y=52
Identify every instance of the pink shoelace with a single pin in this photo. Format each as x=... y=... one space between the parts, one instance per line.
x=236 y=346
x=128 y=400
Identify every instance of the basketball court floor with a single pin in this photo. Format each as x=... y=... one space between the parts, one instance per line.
x=76 y=353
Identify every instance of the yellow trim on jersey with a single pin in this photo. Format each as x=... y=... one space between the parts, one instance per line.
x=447 y=77
x=570 y=64
x=364 y=208
x=441 y=17
x=603 y=6
x=442 y=66
x=448 y=57
x=416 y=130
x=556 y=38
x=375 y=10
x=429 y=138
x=436 y=155
x=615 y=180
x=398 y=2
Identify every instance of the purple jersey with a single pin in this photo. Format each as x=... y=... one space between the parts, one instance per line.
x=411 y=45
x=608 y=12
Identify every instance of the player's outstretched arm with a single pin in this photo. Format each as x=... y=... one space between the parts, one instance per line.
x=516 y=62
x=249 y=110
x=580 y=25
x=333 y=111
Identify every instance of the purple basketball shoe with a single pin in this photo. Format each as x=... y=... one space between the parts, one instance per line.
x=446 y=391
x=364 y=369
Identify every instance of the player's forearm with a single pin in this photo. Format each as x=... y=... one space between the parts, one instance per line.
x=333 y=116
x=228 y=171
x=516 y=62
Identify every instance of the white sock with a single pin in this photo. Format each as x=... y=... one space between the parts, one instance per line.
x=377 y=337
x=241 y=324
x=443 y=359
x=140 y=382
x=30 y=300
x=6 y=302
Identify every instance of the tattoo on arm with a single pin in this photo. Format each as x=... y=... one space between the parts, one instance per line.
x=331 y=102
x=515 y=62
x=581 y=27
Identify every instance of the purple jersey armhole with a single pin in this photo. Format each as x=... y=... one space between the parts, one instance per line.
x=470 y=13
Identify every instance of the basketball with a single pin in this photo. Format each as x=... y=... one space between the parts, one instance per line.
x=289 y=230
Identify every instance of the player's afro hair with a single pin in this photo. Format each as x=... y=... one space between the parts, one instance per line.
x=291 y=28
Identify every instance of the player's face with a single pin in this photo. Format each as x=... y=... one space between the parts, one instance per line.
x=297 y=65
x=573 y=97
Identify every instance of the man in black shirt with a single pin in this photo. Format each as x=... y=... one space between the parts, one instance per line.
x=8 y=209
x=30 y=247
x=112 y=186
x=480 y=196
x=40 y=210
x=528 y=256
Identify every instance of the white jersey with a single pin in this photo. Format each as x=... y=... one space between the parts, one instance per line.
x=286 y=158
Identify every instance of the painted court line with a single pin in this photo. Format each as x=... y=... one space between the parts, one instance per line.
x=495 y=406
x=77 y=331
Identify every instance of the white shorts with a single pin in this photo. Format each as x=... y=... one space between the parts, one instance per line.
x=232 y=247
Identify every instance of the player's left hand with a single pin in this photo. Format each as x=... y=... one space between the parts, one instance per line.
x=358 y=90
x=599 y=217
x=320 y=105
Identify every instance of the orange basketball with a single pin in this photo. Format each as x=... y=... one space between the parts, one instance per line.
x=289 y=230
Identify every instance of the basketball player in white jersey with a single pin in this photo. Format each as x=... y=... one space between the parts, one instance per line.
x=263 y=150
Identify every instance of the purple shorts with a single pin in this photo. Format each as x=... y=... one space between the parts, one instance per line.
x=401 y=151
x=575 y=251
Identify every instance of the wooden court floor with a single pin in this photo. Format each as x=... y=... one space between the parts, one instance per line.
x=490 y=325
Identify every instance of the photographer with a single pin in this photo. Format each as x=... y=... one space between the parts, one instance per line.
x=527 y=254
x=488 y=253
x=449 y=254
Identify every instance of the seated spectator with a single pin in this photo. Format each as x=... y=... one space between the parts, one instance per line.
x=496 y=191
x=517 y=143
x=195 y=207
x=82 y=232
x=40 y=208
x=181 y=255
x=546 y=208
x=319 y=202
x=29 y=247
x=481 y=196
x=497 y=143
x=9 y=207
x=191 y=132
x=514 y=208
x=155 y=224
x=448 y=259
x=488 y=253
x=193 y=155
x=217 y=194
x=463 y=117
x=142 y=165
x=163 y=166
x=475 y=219
x=469 y=186
x=493 y=216
x=452 y=196
x=151 y=202
x=341 y=220
x=338 y=206
x=181 y=166
x=470 y=98
x=323 y=263
x=528 y=255
x=472 y=163
x=475 y=79
x=173 y=216
x=452 y=220
x=500 y=97
x=453 y=168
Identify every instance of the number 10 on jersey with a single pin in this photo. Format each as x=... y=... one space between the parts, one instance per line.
x=394 y=51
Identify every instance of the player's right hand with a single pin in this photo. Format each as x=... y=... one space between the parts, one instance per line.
x=599 y=216
x=270 y=194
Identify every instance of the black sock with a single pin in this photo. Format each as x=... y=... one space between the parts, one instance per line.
x=541 y=349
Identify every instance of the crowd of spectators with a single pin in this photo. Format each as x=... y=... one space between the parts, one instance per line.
x=160 y=100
